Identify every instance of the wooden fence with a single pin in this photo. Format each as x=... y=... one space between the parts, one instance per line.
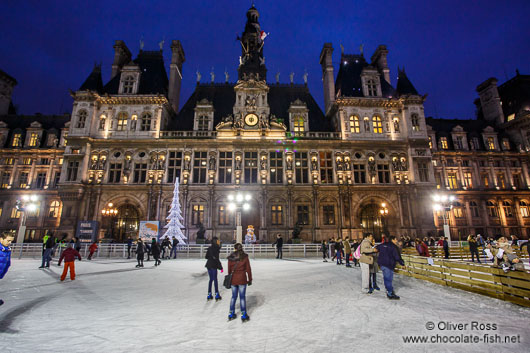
x=459 y=252
x=513 y=286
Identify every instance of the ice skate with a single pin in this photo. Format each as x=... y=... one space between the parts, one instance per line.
x=209 y=297
x=244 y=316
x=218 y=297
x=232 y=316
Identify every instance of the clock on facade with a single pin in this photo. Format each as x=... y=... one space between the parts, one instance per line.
x=251 y=119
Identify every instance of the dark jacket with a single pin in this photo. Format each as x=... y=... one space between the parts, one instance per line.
x=423 y=249
x=241 y=271
x=175 y=242
x=155 y=250
x=389 y=255
x=69 y=255
x=49 y=243
x=166 y=243
x=129 y=243
x=5 y=260
x=212 y=257
x=140 y=248
x=446 y=245
x=278 y=242
x=473 y=246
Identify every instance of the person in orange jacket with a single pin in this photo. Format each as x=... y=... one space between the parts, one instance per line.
x=69 y=256
x=93 y=248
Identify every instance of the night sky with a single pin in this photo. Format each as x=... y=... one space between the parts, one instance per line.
x=448 y=47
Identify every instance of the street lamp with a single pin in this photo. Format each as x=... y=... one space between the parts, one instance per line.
x=27 y=203
x=111 y=212
x=383 y=211
x=237 y=203
x=443 y=203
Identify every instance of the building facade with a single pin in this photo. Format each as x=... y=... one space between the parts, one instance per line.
x=369 y=162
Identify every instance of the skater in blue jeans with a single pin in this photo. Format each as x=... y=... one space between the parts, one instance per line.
x=239 y=267
x=213 y=264
x=388 y=257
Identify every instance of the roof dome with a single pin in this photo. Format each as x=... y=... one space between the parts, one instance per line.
x=252 y=14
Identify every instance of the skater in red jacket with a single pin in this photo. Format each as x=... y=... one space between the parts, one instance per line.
x=93 y=248
x=69 y=256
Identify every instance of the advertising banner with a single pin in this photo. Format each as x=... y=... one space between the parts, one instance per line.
x=87 y=230
x=149 y=230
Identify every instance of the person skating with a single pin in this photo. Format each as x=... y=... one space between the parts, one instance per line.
x=129 y=247
x=148 y=249
x=324 y=249
x=374 y=268
x=166 y=245
x=174 y=248
x=239 y=266
x=445 y=244
x=5 y=255
x=77 y=244
x=140 y=249
x=279 y=246
x=212 y=265
x=347 y=250
x=155 y=251
x=473 y=248
x=69 y=256
x=338 y=249
x=47 y=256
x=354 y=247
x=422 y=248
x=367 y=259
x=44 y=240
x=93 y=248
x=387 y=257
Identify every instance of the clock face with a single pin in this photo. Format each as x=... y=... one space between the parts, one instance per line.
x=251 y=119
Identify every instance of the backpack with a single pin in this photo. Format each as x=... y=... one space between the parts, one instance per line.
x=357 y=253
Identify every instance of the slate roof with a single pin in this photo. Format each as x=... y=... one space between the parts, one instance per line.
x=51 y=124
x=404 y=86
x=515 y=94
x=223 y=97
x=94 y=82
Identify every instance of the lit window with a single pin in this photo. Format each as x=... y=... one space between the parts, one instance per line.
x=491 y=143
x=415 y=122
x=128 y=85
x=468 y=180
x=34 y=139
x=223 y=216
x=298 y=125
x=523 y=206
x=16 y=140
x=443 y=143
x=501 y=181
x=355 y=125
x=276 y=215
x=197 y=215
x=377 y=124
x=451 y=179
x=81 y=119
x=430 y=142
x=54 y=210
x=122 y=121
x=15 y=213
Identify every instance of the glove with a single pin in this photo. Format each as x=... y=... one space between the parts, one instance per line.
x=221 y=270
x=249 y=283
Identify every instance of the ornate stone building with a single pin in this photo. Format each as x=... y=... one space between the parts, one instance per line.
x=330 y=171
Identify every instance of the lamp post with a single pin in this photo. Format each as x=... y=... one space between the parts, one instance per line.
x=23 y=205
x=110 y=212
x=383 y=211
x=443 y=203
x=237 y=203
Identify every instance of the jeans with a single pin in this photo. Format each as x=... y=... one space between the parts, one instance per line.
x=373 y=280
x=347 y=256
x=46 y=258
x=129 y=251
x=365 y=277
x=173 y=252
x=242 y=289
x=339 y=257
x=473 y=253
x=212 y=272
x=388 y=275
x=280 y=252
x=446 y=253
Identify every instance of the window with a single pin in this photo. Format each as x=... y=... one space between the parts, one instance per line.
x=517 y=180
x=485 y=180
x=15 y=213
x=44 y=161
x=355 y=125
x=371 y=87
x=492 y=209
x=329 y=214
x=6 y=177
x=174 y=166
x=23 y=180
x=26 y=161
x=40 y=181
x=506 y=144
x=225 y=167
x=145 y=123
x=17 y=140
x=359 y=173
x=459 y=143
x=458 y=210
x=326 y=168
x=452 y=180
x=438 y=179
x=34 y=139
x=301 y=167
x=299 y=125
x=122 y=121
x=501 y=181
x=71 y=171
x=197 y=214
x=56 y=180
x=140 y=172
x=430 y=142
x=199 y=167
x=202 y=123
x=443 y=143
x=473 y=207
x=81 y=119
x=415 y=122
x=114 y=173
x=383 y=173
x=102 y=122
x=302 y=214
x=9 y=161
x=251 y=167
x=423 y=171
x=54 y=210
x=223 y=216
x=276 y=215
x=474 y=143
x=276 y=167
x=491 y=143
x=507 y=207
x=128 y=85
x=468 y=180
x=523 y=206
x=377 y=124
x=465 y=163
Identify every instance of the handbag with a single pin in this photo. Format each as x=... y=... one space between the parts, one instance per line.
x=227 y=283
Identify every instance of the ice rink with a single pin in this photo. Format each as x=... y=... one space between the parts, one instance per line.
x=294 y=305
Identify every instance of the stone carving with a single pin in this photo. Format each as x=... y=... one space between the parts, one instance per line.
x=314 y=164
x=238 y=164
x=263 y=164
x=211 y=163
x=198 y=76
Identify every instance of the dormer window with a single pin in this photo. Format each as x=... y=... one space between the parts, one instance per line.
x=506 y=144
x=459 y=144
x=128 y=85
x=145 y=123
x=17 y=140
x=371 y=87
x=355 y=125
x=377 y=124
x=122 y=121
x=415 y=122
x=443 y=143
x=299 y=125
x=203 y=123
x=34 y=139
x=474 y=143
x=491 y=143
x=81 y=119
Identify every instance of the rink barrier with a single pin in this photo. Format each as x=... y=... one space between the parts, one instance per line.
x=513 y=286
x=460 y=252
x=191 y=251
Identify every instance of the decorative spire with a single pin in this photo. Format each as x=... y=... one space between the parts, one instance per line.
x=252 y=62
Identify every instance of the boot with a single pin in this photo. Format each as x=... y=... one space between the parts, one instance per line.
x=217 y=296
x=209 y=297
x=244 y=316
x=231 y=316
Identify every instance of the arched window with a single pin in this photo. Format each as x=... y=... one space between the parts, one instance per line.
x=122 y=121
x=355 y=126
x=128 y=85
x=377 y=124
x=508 y=210
x=54 y=210
x=473 y=207
x=298 y=125
x=523 y=206
x=145 y=124
x=492 y=209
x=81 y=119
x=415 y=122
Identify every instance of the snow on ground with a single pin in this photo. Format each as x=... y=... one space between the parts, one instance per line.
x=295 y=306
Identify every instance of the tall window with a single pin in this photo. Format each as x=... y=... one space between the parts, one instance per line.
x=452 y=180
x=6 y=177
x=276 y=215
x=491 y=143
x=40 y=180
x=492 y=209
x=458 y=210
x=102 y=122
x=199 y=167
x=468 y=180
x=122 y=121
x=54 y=210
x=459 y=143
x=523 y=206
x=371 y=87
x=329 y=214
x=506 y=144
x=355 y=125
x=276 y=167
x=114 y=173
x=423 y=171
x=326 y=168
x=299 y=126
x=145 y=122
x=128 y=85
x=501 y=181
x=485 y=180
x=17 y=140
x=301 y=167
x=359 y=173
x=202 y=123
x=443 y=143
x=223 y=216
x=383 y=173
x=473 y=207
x=430 y=142
x=517 y=180
x=15 y=213
x=140 y=172
x=23 y=180
x=81 y=119
x=197 y=214
x=377 y=124
x=251 y=167
x=56 y=179
x=71 y=170
x=302 y=214
x=174 y=166
x=474 y=144
x=507 y=207
x=225 y=167
x=415 y=122
x=34 y=139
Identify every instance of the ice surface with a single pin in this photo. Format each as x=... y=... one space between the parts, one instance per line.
x=294 y=305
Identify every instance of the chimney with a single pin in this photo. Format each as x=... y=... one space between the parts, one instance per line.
x=122 y=56
x=175 y=74
x=327 y=75
x=379 y=61
x=491 y=101
x=5 y=95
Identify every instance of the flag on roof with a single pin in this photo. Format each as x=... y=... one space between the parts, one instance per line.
x=262 y=35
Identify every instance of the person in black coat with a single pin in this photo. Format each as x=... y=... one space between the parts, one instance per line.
x=446 y=247
x=213 y=264
x=140 y=249
x=279 y=245
x=174 y=248
x=155 y=251
x=324 y=250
